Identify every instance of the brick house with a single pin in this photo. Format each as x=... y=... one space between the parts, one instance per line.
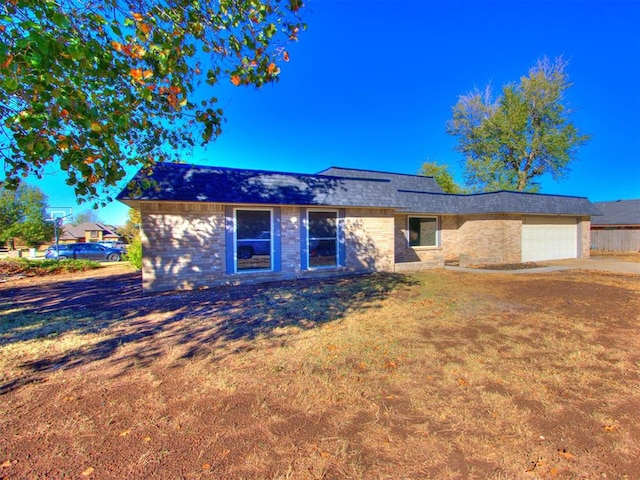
x=204 y=226
x=88 y=232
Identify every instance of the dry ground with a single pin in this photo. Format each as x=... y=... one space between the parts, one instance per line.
x=437 y=375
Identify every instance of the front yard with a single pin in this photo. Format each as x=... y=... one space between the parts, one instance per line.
x=437 y=375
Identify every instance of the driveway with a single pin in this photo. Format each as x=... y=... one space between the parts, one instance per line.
x=602 y=264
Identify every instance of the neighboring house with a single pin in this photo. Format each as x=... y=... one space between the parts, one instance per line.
x=618 y=229
x=88 y=232
x=197 y=223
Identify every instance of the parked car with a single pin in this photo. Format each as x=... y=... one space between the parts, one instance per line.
x=261 y=245
x=110 y=244
x=86 y=251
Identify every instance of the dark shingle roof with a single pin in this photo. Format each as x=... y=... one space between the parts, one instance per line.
x=619 y=212
x=340 y=187
x=189 y=183
x=400 y=181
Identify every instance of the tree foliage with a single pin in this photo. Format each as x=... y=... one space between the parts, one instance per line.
x=22 y=214
x=86 y=216
x=442 y=176
x=99 y=85
x=510 y=142
x=131 y=230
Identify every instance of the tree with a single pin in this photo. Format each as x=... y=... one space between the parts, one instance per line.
x=525 y=133
x=86 y=216
x=441 y=175
x=131 y=229
x=99 y=85
x=22 y=214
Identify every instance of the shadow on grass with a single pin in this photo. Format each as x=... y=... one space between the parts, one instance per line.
x=200 y=322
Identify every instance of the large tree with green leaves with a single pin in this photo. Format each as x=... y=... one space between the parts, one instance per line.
x=95 y=86
x=510 y=142
x=22 y=214
x=442 y=176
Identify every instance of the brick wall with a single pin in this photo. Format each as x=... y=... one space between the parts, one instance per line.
x=584 y=236
x=369 y=239
x=181 y=250
x=489 y=239
x=184 y=246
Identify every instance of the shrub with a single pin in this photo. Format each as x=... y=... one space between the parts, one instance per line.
x=134 y=254
x=27 y=267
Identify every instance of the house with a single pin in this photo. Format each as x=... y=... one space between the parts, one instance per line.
x=618 y=229
x=202 y=226
x=88 y=232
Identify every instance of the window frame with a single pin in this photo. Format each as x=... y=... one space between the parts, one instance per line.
x=437 y=232
x=271 y=240
x=308 y=238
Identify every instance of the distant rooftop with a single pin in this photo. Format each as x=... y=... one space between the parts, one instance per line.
x=618 y=212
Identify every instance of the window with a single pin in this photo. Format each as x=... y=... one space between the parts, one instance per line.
x=423 y=232
x=323 y=239
x=253 y=246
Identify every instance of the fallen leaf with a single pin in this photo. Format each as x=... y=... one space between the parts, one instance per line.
x=462 y=382
x=610 y=428
x=6 y=464
x=235 y=79
x=146 y=439
x=565 y=454
x=332 y=348
x=125 y=433
x=206 y=466
x=88 y=472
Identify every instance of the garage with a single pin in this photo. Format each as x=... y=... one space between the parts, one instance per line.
x=549 y=238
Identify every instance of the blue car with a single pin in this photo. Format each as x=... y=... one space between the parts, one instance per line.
x=85 y=251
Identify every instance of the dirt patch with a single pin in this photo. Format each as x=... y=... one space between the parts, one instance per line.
x=437 y=375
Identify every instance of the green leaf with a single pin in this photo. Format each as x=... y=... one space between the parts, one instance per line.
x=11 y=84
x=60 y=19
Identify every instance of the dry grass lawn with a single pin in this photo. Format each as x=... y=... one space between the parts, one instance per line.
x=443 y=374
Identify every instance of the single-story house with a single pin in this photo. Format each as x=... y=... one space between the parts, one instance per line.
x=88 y=232
x=204 y=226
x=618 y=228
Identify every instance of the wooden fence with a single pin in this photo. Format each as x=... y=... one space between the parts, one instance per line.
x=616 y=240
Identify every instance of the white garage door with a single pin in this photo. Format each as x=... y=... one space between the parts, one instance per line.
x=549 y=238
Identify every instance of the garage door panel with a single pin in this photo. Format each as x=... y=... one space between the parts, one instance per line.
x=549 y=238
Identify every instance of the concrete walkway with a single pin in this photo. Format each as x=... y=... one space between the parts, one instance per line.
x=602 y=264
x=596 y=263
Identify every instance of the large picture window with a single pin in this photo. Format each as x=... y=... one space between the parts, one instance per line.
x=323 y=239
x=423 y=231
x=253 y=230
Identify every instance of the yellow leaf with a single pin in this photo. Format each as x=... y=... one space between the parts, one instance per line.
x=88 y=472
x=6 y=464
x=125 y=433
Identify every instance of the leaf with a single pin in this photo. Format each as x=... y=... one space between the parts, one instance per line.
x=235 y=79
x=125 y=432
x=88 y=472
x=6 y=464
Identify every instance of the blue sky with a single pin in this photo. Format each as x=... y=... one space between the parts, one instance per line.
x=371 y=85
